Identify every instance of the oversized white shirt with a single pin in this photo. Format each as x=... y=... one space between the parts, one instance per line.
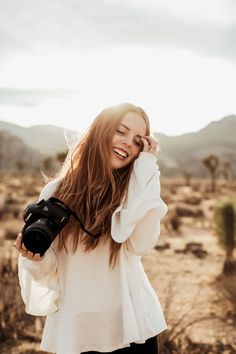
x=90 y=306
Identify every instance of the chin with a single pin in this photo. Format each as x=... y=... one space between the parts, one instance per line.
x=120 y=164
x=116 y=166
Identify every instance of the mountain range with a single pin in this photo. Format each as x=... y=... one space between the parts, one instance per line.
x=46 y=139
x=184 y=153
x=178 y=154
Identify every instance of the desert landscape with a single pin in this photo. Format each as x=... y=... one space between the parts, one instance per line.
x=66 y=67
x=185 y=269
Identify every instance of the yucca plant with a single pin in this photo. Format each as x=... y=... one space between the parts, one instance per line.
x=211 y=163
x=225 y=228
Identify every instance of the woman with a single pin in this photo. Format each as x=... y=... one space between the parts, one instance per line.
x=93 y=290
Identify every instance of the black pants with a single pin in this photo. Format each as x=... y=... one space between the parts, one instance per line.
x=149 y=347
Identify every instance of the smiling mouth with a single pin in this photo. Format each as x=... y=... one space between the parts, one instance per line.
x=120 y=153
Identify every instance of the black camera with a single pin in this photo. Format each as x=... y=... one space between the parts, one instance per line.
x=43 y=222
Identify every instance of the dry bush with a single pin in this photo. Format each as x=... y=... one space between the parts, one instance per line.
x=193 y=199
x=15 y=324
x=175 y=339
x=171 y=221
x=227 y=285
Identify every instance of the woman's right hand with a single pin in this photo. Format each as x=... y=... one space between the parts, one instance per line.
x=150 y=144
x=24 y=252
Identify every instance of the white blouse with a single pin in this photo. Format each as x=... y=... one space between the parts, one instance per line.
x=89 y=306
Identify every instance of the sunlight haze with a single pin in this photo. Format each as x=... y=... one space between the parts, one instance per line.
x=62 y=63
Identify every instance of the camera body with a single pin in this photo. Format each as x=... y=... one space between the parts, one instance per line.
x=43 y=222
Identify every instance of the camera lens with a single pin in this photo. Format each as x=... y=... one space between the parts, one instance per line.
x=38 y=236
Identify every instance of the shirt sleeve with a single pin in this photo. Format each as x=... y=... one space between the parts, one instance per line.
x=39 y=284
x=137 y=219
x=38 y=280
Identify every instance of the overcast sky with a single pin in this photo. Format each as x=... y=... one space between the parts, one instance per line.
x=63 y=61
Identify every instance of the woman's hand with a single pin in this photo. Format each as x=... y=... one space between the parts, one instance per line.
x=24 y=252
x=150 y=145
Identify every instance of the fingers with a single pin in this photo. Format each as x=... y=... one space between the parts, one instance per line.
x=33 y=256
x=145 y=145
x=18 y=241
x=150 y=145
x=20 y=247
x=23 y=251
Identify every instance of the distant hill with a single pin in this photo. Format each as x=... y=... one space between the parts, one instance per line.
x=179 y=154
x=185 y=152
x=15 y=154
x=47 y=139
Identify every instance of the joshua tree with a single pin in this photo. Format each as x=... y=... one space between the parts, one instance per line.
x=211 y=162
x=225 y=228
x=20 y=165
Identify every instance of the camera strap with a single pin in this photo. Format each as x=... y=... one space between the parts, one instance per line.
x=71 y=212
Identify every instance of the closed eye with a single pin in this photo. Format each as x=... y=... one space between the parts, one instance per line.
x=120 y=132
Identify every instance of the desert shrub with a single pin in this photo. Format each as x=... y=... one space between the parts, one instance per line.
x=228 y=287
x=193 y=200
x=189 y=211
x=225 y=229
x=196 y=187
x=14 y=322
x=11 y=310
x=10 y=234
x=175 y=222
x=170 y=340
x=171 y=221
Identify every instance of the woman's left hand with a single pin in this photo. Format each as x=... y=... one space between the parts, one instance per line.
x=150 y=145
x=24 y=252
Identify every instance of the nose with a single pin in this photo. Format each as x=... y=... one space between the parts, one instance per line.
x=127 y=141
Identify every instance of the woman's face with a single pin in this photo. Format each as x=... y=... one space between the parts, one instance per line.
x=127 y=142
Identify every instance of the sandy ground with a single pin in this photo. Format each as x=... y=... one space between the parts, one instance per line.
x=189 y=289
x=186 y=282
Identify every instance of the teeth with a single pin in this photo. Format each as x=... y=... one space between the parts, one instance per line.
x=120 y=152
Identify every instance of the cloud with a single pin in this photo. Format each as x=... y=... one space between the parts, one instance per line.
x=33 y=27
x=30 y=98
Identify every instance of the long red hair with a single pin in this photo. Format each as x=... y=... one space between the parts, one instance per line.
x=90 y=186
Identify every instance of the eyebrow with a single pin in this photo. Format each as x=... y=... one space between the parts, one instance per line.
x=129 y=129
